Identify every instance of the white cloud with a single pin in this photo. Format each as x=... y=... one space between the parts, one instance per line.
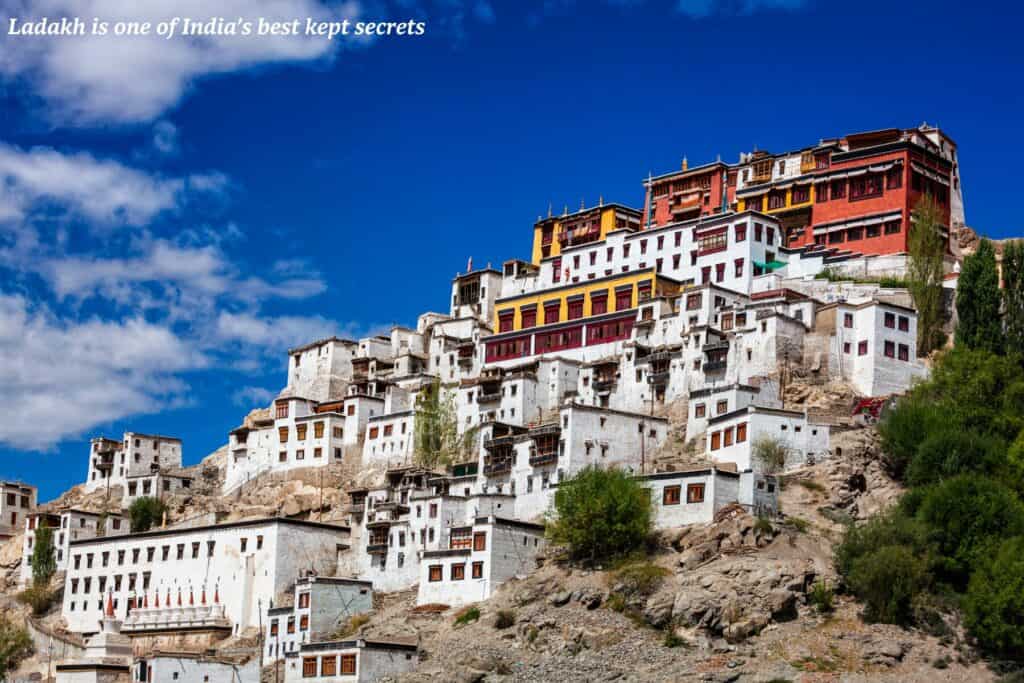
x=279 y=333
x=90 y=79
x=61 y=378
x=248 y=397
x=165 y=138
x=101 y=190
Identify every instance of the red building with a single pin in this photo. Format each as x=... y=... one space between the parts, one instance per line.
x=689 y=193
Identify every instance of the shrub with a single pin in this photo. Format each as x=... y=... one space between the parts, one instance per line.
x=763 y=525
x=994 y=605
x=822 y=597
x=887 y=580
x=44 y=560
x=15 y=645
x=954 y=451
x=799 y=524
x=892 y=528
x=639 y=578
x=145 y=513
x=39 y=597
x=616 y=602
x=506 y=618
x=770 y=452
x=671 y=638
x=601 y=514
x=352 y=625
x=966 y=515
x=467 y=615
x=905 y=427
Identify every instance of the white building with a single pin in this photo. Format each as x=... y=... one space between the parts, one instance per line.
x=17 y=501
x=359 y=661
x=67 y=525
x=694 y=496
x=732 y=437
x=872 y=345
x=479 y=558
x=321 y=606
x=183 y=667
x=137 y=456
x=241 y=564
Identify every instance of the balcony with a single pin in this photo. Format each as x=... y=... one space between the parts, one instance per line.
x=499 y=467
x=488 y=398
x=714 y=365
x=355 y=509
x=602 y=386
x=658 y=377
x=105 y=461
x=377 y=548
x=541 y=459
x=551 y=429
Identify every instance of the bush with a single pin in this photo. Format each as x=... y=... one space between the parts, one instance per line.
x=672 y=639
x=639 y=578
x=601 y=514
x=352 y=625
x=892 y=528
x=506 y=618
x=770 y=453
x=994 y=607
x=616 y=602
x=39 y=597
x=763 y=525
x=467 y=615
x=905 y=428
x=15 y=645
x=145 y=513
x=954 y=451
x=887 y=580
x=966 y=516
x=822 y=597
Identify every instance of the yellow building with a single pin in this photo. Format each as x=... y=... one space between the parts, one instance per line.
x=775 y=199
x=578 y=301
x=554 y=233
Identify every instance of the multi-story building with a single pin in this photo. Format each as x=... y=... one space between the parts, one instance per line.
x=689 y=193
x=241 y=566
x=856 y=193
x=17 y=501
x=321 y=606
x=359 y=661
x=135 y=458
x=67 y=526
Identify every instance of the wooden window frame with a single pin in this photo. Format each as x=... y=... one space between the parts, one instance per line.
x=672 y=495
x=695 y=493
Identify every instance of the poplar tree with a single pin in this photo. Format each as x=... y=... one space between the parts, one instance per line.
x=978 y=301
x=1013 y=295
x=924 y=273
x=436 y=435
x=44 y=561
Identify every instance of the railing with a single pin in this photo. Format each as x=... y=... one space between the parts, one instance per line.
x=543 y=430
x=714 y=365
x=601 y=385
x=377 y=548
x=487 y=398
x=496 y=468
x=543 y=459
x=658 y=377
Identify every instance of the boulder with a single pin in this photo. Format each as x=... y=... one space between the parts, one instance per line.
x=560 y=598
x=659 y=608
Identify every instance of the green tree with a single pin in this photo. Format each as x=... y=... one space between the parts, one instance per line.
x=15 y=645
x=978 y=301
x=966 y=516
x=888 y=579
x=771 y=453
x=145 y=513
x=891 y=528
x=44 y=560
x=1013 y=295
x=436 y=438
x=994 y=608
x=600 y=514
x=926 y=250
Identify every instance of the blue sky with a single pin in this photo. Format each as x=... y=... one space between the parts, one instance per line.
x=175 y=215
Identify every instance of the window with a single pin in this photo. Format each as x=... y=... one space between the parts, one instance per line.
x=848 y=320
x=435 y=573
x=821 y=193
x=480 y=540
x=348 y=664
x=741 y=232
x=304 y=622
x=894 y=178
x=273 y=627
x=433 y=510
x=890 y=349
x=529 y=316
x=505 y=319
x=716 y=440
x=318 y=430
x=598 y=303
x=576 y=309
x=671 y=495
x=904 y=351
x=552 y=309
x=195 y=550
x=300 y=432
x=624 y=299
x=478 y=570
x=458 y=572
x=890 y=320
x=699 y=410
x=862 y=187
x=282 y=434
x=904 y=323
x=282 y=408
x=291 y=624
x=801 y=194
x=741 y=432
x=738 y=265
x=309 y=667
x=329 y=666
x=862 y=348
x=728 y=437
x=893 y=227
x=721 y=407
x=846 y=347
x=259 y=542
x=695 y=493
x=282 y=456
x=838 y=189
x=300 y=454
x=374 y=432
x=181 y=551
